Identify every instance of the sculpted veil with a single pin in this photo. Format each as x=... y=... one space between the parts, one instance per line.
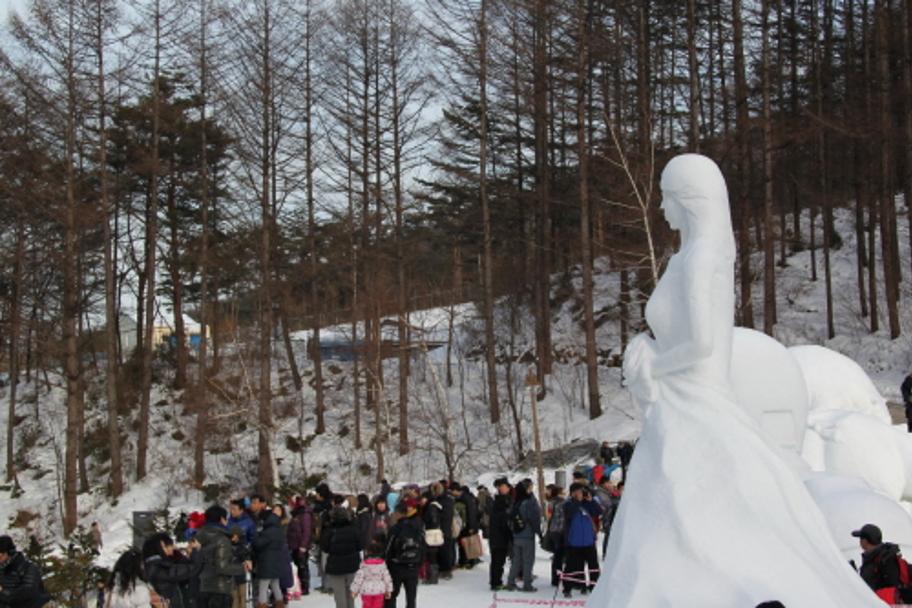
x=712 y=515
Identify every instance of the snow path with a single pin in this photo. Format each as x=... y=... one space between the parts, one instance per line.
x=469 y=589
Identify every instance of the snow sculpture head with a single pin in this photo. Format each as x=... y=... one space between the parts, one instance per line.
x=695 y=200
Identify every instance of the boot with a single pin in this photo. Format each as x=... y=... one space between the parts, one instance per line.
x=433 y=574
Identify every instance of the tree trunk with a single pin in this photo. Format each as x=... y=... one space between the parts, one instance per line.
x=15 y=328
x=694 y=126
x=543 y=191
x=488 y=258
x=582 y=72
x=142 y=443
x=769 y=252
x=746 y=312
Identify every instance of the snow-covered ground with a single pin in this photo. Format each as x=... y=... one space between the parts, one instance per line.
x=439 y=414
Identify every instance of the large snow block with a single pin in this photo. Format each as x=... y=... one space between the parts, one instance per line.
x=769 y=385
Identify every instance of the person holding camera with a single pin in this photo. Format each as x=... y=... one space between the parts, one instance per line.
x=581 y=521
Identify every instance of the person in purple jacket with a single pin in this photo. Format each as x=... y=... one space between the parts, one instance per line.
x=300 y=536
x=581 y=516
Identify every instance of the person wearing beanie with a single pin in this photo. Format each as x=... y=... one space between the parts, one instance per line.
x=20 y=580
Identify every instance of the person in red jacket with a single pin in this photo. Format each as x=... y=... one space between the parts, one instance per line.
x=879 y=562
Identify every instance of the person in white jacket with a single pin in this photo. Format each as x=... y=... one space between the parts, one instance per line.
x=127 y=587
x=372 y=580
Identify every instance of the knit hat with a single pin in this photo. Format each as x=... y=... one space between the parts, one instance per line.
x=501 y=481
x=7 y=545
x=411 y=506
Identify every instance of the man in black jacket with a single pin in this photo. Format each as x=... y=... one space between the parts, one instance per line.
x=499 y=535
x=879 y=566
x=463 y=495
x=20 y=580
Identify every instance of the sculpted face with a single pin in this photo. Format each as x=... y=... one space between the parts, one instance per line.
x=674 y=212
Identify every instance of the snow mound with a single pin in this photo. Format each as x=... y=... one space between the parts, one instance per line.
x=848 y=503
x=857 y=445
x=769 y=385
x=835 y=382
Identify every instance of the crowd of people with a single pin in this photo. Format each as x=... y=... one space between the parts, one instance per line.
x=262 y=554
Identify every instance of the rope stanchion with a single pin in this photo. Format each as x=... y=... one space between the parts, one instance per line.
x=537 y=602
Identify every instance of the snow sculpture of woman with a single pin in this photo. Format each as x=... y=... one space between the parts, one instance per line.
x=711 y=515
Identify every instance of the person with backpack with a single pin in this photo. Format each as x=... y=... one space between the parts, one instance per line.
x=500 y=536
x=372 y=580
x=609 y=499
x=581 y=517
x=299 y=538
x=469 y=508
x=20 y=579
x=555 y=531
x=341 y=543
x=484 y=509
x=882 y=566
x=525 y=523
x=405 y=552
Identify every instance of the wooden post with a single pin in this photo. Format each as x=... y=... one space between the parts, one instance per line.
x=532 y=384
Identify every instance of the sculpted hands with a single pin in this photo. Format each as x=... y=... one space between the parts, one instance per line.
x=638 y=361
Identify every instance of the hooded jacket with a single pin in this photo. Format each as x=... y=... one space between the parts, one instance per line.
x=342 y=544
x=879 y=567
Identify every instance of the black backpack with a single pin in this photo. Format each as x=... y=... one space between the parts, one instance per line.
x=517 y=521
x=405 y=546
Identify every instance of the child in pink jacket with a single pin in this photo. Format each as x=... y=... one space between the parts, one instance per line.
x=372 y=581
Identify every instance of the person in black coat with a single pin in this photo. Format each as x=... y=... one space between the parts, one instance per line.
x=341 y=544
x=446 y=557
x=906 y=390
x=270 y=558
x=405 y=552
x=20 y=580
x=625 y=453
x=169 y=574
x=500 y=536
x=462 y=495
x=606 y=453
x=879 y=566
x=363 y=516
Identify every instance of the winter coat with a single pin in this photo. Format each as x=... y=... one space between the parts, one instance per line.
x=446 y=515
x=471 y=517
x=379 y=524
x=219 y=566
x=300 y=530
x=906 y=390
x=363 y=519
x=606 y=454
x=406 y=528
x=484 y=510
x=579 y=529
x=140 y=596
x=341 y=542
x=21 y=585
x=499 y=534
x=166 y=576
x=625 y=453
x=556 y=518
x=245 y=523
x=530 y=513
x=270 y=550
x=95 y=536
x=372 y=578
x=433 y=512
x=879 y=567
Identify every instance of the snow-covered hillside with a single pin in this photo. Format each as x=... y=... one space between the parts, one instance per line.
x=449 y=429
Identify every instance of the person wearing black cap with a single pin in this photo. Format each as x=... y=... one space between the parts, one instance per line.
x=499 y=534
x=20 y=580
x=879 y=565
